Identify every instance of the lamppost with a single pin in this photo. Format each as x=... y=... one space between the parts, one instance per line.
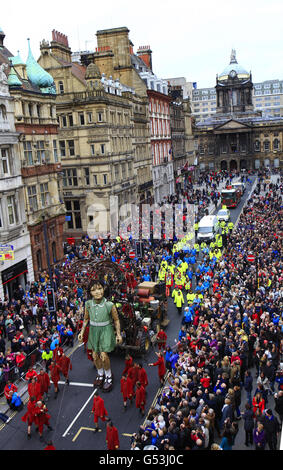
x=47 y=250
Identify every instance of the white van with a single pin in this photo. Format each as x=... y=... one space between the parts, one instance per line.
x=208 y=228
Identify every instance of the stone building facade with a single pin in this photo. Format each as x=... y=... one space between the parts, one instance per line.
x=237 y=137
x=13 y=224
x=99 y=137
x=36 y=123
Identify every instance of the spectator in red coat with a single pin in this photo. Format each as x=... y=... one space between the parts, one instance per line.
x=30 y=374
x=140 y=398
x=112 y=437
x=161 y=366
x=9 y=387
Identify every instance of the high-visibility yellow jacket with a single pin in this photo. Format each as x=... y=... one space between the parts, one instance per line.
x=191 y=297
x=179 y=299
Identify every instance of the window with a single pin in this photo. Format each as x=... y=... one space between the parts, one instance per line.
x=28 y=153
x=89 y=118
x=44 y=195
x=74 y=212
x=92 y=149
x=32 y=198
x=1 y=223
x=70 y=177
x=266 y=145
x=5 y=161
x=12 y=210
x=82 y=119
x=38 y=108
x=64 y=121
x=276 y=144
x=99 y=117
x=257 y=146
x=62 y=146
x=71 y=147
x=55 y=151
x=86 y=175
x=61 y=87
x=104 y=179
x=71 y=122
x=102 y=148
x=40 y=151
x=95 y=180
x=116 y=172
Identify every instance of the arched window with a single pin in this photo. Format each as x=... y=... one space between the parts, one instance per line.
x=3 y=112
x=266 y=145
x=276 y=144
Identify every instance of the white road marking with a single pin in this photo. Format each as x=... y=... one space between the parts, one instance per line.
x=81 y=410
x=78 y=384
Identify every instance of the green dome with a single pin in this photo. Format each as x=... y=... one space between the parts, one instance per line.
x=36 y=74
x=13 y=79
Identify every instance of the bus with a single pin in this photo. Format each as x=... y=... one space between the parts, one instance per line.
x=230 y=197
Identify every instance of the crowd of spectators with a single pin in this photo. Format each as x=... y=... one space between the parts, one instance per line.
x=231 y=342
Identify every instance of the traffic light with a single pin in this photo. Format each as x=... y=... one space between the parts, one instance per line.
x=51 y=300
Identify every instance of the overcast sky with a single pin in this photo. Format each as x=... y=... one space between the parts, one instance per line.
x=191 y=39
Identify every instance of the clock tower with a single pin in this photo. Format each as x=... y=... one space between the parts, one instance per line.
x=234 y=89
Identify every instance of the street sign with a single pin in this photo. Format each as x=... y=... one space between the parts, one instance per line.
x=251 y=258
x=7 y=252
x=132 y=254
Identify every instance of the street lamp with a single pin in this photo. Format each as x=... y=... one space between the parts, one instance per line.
x=47 y=250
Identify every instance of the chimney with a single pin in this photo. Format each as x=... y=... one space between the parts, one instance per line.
x=145 y=53
x=60 y=46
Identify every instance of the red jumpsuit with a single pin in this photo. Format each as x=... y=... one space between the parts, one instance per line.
x=161 y=339
x=29 y=415
x=161 y=368
x=44 y=381
x=128 y=364
x=124 y=389
x=34 y=390
x=130 y=388
x=133 y=373
x=99 y=409
x=55 y=373
x=65 y=363
x=140 y=398
x=57 y=353
x=142 y=377
x=112 y=438
x=41 y=417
